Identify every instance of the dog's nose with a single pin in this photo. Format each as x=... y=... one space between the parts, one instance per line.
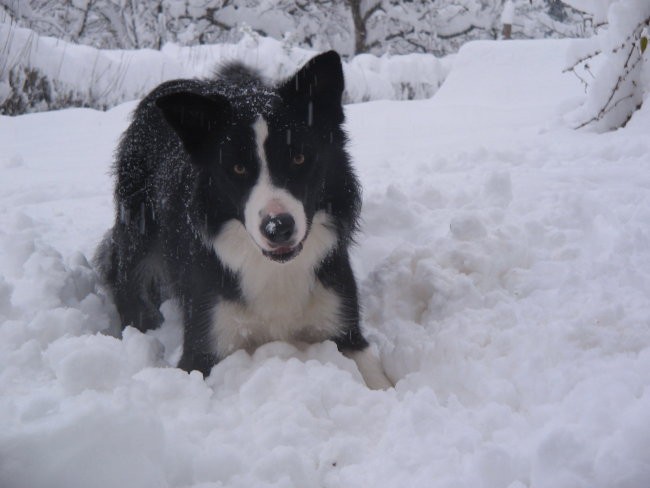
x=278 y=229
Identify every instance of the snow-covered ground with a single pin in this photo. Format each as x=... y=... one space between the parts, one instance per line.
x=505 y=274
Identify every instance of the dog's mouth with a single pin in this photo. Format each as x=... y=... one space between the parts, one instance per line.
x=282 y=254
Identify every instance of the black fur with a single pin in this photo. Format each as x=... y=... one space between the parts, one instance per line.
x=175 y=190
x=236 y=72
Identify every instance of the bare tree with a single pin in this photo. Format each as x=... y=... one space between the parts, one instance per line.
x=22 y=11
x=361 y=13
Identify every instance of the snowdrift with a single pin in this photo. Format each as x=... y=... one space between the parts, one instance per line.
x=41 y=73
x=504 y=275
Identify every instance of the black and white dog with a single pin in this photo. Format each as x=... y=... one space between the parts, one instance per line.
x=238 y=199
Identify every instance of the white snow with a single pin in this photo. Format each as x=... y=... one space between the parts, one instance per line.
x=596 y=8
x=504 y=268
x=105 y=78
x=508 y=12
x=613 y=67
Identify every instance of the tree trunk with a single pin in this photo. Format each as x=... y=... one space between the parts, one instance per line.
x=359 y=27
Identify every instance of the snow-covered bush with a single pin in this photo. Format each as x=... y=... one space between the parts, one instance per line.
x=41 y=73
x=614 y=66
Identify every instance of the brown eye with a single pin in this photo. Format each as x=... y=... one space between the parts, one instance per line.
x=298 y=159
x=239 y=169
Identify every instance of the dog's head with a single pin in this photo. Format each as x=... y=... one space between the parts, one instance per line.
x=265 y=151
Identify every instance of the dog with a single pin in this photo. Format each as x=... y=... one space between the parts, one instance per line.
x=238 y=199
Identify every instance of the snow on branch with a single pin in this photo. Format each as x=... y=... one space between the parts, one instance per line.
x=614 y=68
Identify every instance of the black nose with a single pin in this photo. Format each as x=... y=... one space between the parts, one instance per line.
x=278 y=229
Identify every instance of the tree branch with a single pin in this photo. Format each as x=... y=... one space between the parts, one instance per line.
x=582 y=60
x=371 y=11
x=457 y=34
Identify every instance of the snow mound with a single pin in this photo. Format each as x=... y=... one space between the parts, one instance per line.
x=491 y=81
x=503 y=272
x=509 y=74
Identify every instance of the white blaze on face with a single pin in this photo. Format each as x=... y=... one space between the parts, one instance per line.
x=267 y=200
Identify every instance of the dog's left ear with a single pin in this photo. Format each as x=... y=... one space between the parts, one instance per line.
x=315 y=91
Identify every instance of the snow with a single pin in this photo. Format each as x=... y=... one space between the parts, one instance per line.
x=104 y=78
x=613 y=67
x=503 y=269
x=508 y=13
x=597 y=8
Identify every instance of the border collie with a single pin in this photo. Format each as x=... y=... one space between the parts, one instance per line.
x=238 y=199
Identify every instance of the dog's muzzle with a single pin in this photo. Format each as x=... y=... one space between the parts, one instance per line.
x=279 y=231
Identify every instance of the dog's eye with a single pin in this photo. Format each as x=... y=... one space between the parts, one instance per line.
x=298 y=159
x=239 y=169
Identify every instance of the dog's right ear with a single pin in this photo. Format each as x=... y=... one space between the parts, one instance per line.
x=195 y=118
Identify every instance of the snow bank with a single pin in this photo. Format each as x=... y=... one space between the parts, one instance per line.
x=41 y=73
x=503 y=272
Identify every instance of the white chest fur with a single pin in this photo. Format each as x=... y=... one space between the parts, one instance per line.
x=280 y=301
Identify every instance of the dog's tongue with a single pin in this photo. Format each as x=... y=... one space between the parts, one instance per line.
x=284 y=253
x=283 y=250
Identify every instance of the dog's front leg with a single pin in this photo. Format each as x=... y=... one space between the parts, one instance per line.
x=370 y=368
x=197 y=360
x=198 y=347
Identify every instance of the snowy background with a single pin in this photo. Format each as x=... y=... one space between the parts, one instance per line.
x=504 y=266
x=83 y=53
